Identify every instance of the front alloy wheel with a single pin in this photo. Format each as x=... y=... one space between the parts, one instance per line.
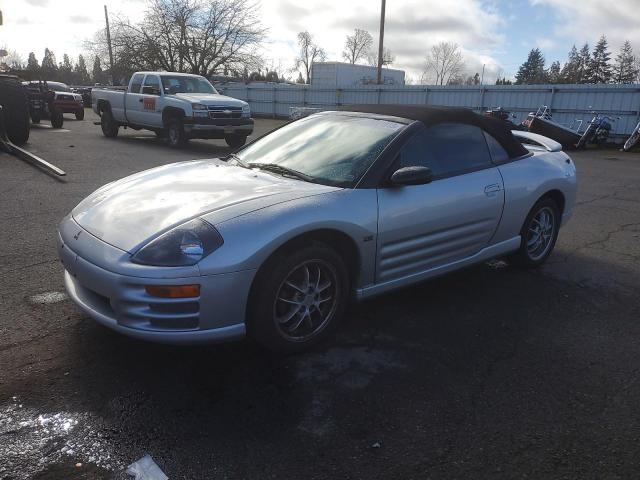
x=306 y=300
x=298 y=298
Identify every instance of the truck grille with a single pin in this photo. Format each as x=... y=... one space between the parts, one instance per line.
x=225 y=112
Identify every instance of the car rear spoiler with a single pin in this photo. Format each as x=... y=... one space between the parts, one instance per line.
x=534 y=138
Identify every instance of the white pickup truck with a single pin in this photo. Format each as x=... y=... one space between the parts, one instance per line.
x=178 y=106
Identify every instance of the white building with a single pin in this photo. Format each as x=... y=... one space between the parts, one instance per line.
x=344 y=75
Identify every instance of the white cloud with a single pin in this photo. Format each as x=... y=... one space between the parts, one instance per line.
x=586 y=20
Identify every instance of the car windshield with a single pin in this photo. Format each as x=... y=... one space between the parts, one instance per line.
x=173 y=84
x=332 y=149
x=58 y=87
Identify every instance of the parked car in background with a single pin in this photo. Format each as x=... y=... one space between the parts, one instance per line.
x=86 y=94
x=65 y=100
x=278 y=238
x=176 y=105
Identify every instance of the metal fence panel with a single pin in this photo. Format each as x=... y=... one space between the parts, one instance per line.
x=570 y=104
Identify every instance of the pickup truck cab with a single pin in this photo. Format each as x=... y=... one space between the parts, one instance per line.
x=178 y=106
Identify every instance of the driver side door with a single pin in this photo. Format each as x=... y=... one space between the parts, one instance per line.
x=423 y=227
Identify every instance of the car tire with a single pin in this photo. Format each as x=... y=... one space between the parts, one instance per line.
x=160 y=133
x=175 y=133
x=235 y=141
x=15 y=105
x=308 y=287
x=57 y=119
x=539 y=234
x=80 y=114
x=108 y=124
x=35 y=118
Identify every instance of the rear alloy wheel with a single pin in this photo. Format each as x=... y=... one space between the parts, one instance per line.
x=299 y=299
x=175 y=133
x=235 y=141
x=539 y=234
x=108 y=124
x=80 y=114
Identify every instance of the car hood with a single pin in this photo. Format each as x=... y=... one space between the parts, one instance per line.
x=210 y=99
x=129 y=212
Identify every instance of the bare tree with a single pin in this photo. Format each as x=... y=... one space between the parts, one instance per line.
x=387 y=57
x=357 y=46
x=196 y=36
x=14 y=60
x=443 y=62
x=309 y=53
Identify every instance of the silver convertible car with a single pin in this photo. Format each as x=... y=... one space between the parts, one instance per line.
x=275 y=240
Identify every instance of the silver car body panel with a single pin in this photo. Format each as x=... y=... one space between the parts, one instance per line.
x=401 y=235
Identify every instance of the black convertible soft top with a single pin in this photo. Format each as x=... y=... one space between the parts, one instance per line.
x=429 y=115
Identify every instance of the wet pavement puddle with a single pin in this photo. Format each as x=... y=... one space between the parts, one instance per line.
x=30 y=441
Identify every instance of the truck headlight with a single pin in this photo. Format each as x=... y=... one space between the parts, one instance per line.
x=246 y=111
x=183 y=246
x=200 y=110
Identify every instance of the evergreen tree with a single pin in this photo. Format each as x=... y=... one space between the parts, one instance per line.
x=624 y=69
x=554 y=74
x=599 y=68
x=96 y=74
x=584 y=58
x=569 y=73
x=49 y=68
x=503 y=81
x=32 y=63
x=81 y=73
x=65 y=71
x=532 y=71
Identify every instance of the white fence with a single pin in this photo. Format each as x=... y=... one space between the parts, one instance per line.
x=570 y=104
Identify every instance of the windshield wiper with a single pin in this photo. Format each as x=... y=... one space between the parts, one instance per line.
x=233 y=156
x=275 y=168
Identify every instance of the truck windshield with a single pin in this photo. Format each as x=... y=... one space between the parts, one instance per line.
x=331 y=149
x=173 y=84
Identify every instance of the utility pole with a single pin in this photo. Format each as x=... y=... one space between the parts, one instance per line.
x=381 y=43
x=482 y=78
x=106 y=19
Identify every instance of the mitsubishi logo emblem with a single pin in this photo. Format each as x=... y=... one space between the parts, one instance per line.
x=77 y=235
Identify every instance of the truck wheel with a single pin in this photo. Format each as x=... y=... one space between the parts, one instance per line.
x=15 y=105
x=235 y=141
x=80 y=114
x=35 y=118
x=57 y=120
x=108 y=125
x=175 y=133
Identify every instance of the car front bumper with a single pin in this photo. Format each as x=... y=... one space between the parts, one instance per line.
x=218 y=128
x=120 y=302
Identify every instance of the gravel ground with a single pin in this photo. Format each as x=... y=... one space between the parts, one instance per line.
x=490 y=372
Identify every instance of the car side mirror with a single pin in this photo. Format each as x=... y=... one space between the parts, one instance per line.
x=411 y=176
x=147 y=90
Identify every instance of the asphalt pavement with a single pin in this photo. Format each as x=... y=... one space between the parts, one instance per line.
x=491 y=372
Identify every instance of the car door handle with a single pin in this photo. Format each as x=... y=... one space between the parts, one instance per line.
x=490 y=190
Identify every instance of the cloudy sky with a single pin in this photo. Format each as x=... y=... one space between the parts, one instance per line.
x=497 y=33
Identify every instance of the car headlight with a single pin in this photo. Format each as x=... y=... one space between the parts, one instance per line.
x=183 y=246
x=246 y=111
x=200 y=110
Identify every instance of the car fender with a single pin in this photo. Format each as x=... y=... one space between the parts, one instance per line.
x=526 y=181
x=250 y=239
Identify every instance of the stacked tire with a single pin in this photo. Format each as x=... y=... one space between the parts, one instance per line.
x=15 y=105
